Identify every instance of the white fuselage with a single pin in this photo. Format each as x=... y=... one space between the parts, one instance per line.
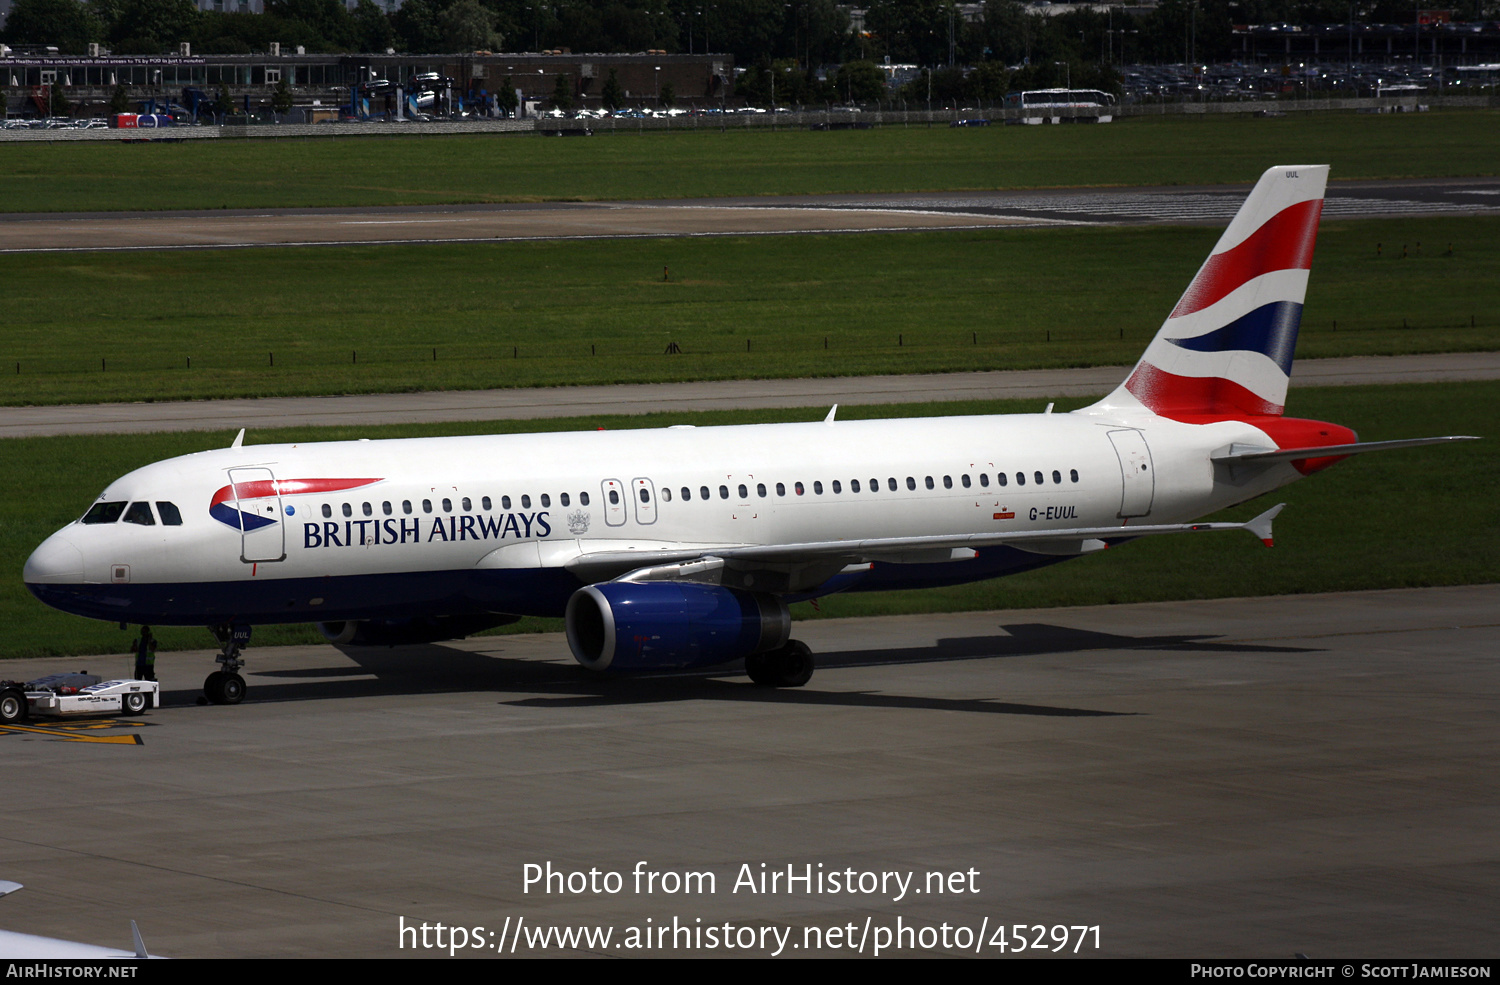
x=358 y=529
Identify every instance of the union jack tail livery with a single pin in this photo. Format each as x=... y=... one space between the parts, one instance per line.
x=1225 y=351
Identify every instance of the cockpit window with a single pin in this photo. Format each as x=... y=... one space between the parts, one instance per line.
x=170 y=517
x=104 y=513
x=140 y=513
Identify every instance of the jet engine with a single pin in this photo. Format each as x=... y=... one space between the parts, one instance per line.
x=401 y=632
x=622 y=625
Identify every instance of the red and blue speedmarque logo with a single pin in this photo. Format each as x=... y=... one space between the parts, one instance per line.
x=240 y=492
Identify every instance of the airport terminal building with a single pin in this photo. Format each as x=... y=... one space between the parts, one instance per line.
x=327 y=80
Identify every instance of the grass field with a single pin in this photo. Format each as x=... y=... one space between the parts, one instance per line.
x=1387 y=520
x=214 y=174
x=364 y=319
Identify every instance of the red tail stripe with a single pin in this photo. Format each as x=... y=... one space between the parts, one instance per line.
x=1176 y=396
x=1285 y=242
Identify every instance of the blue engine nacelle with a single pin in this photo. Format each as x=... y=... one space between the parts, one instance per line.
x=621 y=625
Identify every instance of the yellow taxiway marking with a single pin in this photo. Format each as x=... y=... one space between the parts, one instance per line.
x=72 y=731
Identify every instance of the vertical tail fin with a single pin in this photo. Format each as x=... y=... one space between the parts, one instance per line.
x=1226 y=348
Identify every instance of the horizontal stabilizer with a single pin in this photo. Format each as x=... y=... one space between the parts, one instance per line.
x=1239 y=454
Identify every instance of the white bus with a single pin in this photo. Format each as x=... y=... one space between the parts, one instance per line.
x=1042 y=105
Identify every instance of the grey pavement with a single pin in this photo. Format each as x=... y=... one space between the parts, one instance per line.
x=1238 y=777
x=584 y=401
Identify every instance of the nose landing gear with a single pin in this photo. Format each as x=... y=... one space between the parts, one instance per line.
x=226 y=686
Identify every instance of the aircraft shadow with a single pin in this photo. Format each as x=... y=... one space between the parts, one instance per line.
x=557 y=684
x=435 y=668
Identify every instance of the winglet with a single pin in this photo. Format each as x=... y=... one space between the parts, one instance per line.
x=140 y=945
x=1261 y=525
x=831 y=411
x=239 y=439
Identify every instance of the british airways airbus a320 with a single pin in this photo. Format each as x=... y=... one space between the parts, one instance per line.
x=682 y=547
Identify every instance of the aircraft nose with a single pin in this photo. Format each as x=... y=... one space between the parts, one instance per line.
x=57 y=562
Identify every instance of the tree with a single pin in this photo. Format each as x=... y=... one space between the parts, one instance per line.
x=119 y=102
x=57 y=102
x=66 y=23
x=562 y=93
x=860 y=82
x=468 y=26
x=667 y=96
x=281 y=98
x=505 y=97
x=149 y=26
x=612 y=95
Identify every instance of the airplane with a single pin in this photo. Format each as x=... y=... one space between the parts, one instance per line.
x=683 y=546
x=18 y=946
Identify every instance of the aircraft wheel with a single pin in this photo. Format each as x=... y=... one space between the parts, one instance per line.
x=789 y=666
x=233 y=689
x=134 y=703
x=758 y=669
x=213 y=687
x=13 y=706
x=793 y=664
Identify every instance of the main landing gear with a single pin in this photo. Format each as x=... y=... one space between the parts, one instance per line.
x=787 y=666
x=227 y=687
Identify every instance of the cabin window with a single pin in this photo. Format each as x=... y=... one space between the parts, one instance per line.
x=468 y=505
x=854 y=485
x=486 y=503
x=405 y=507
x=687 y=494
x=964 y=479
x=368 y=510
x=929 y=482
x=818 y=488
x=702 y=492
x=760 y=490
x=911 y=482
x=947 y=482
x=583 y=498
x=1020 y=478
x=744 y=493
x=874 y=485
x=645 y=495
x=1039 y=478
x=140 y=513
x=426 y=506
x=781 y=489
x=447 y=505
x=799 y=489
x=348 y=510
x=561 y=498
x=327 y=511
x=1001 y=478
x=666 y=494
x=614 y=498
x=547 y=499
x=890 y=483
x=526 y=500
x=385 y=507
x=984 y=479
x=723 y=492
x=1073 y=474
x=170 y=516
x=1056 y=477
x=836 y=488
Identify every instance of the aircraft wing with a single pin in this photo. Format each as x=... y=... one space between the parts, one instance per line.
x=694 y=562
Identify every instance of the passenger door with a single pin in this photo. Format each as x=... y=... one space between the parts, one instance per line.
x=258 y=501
